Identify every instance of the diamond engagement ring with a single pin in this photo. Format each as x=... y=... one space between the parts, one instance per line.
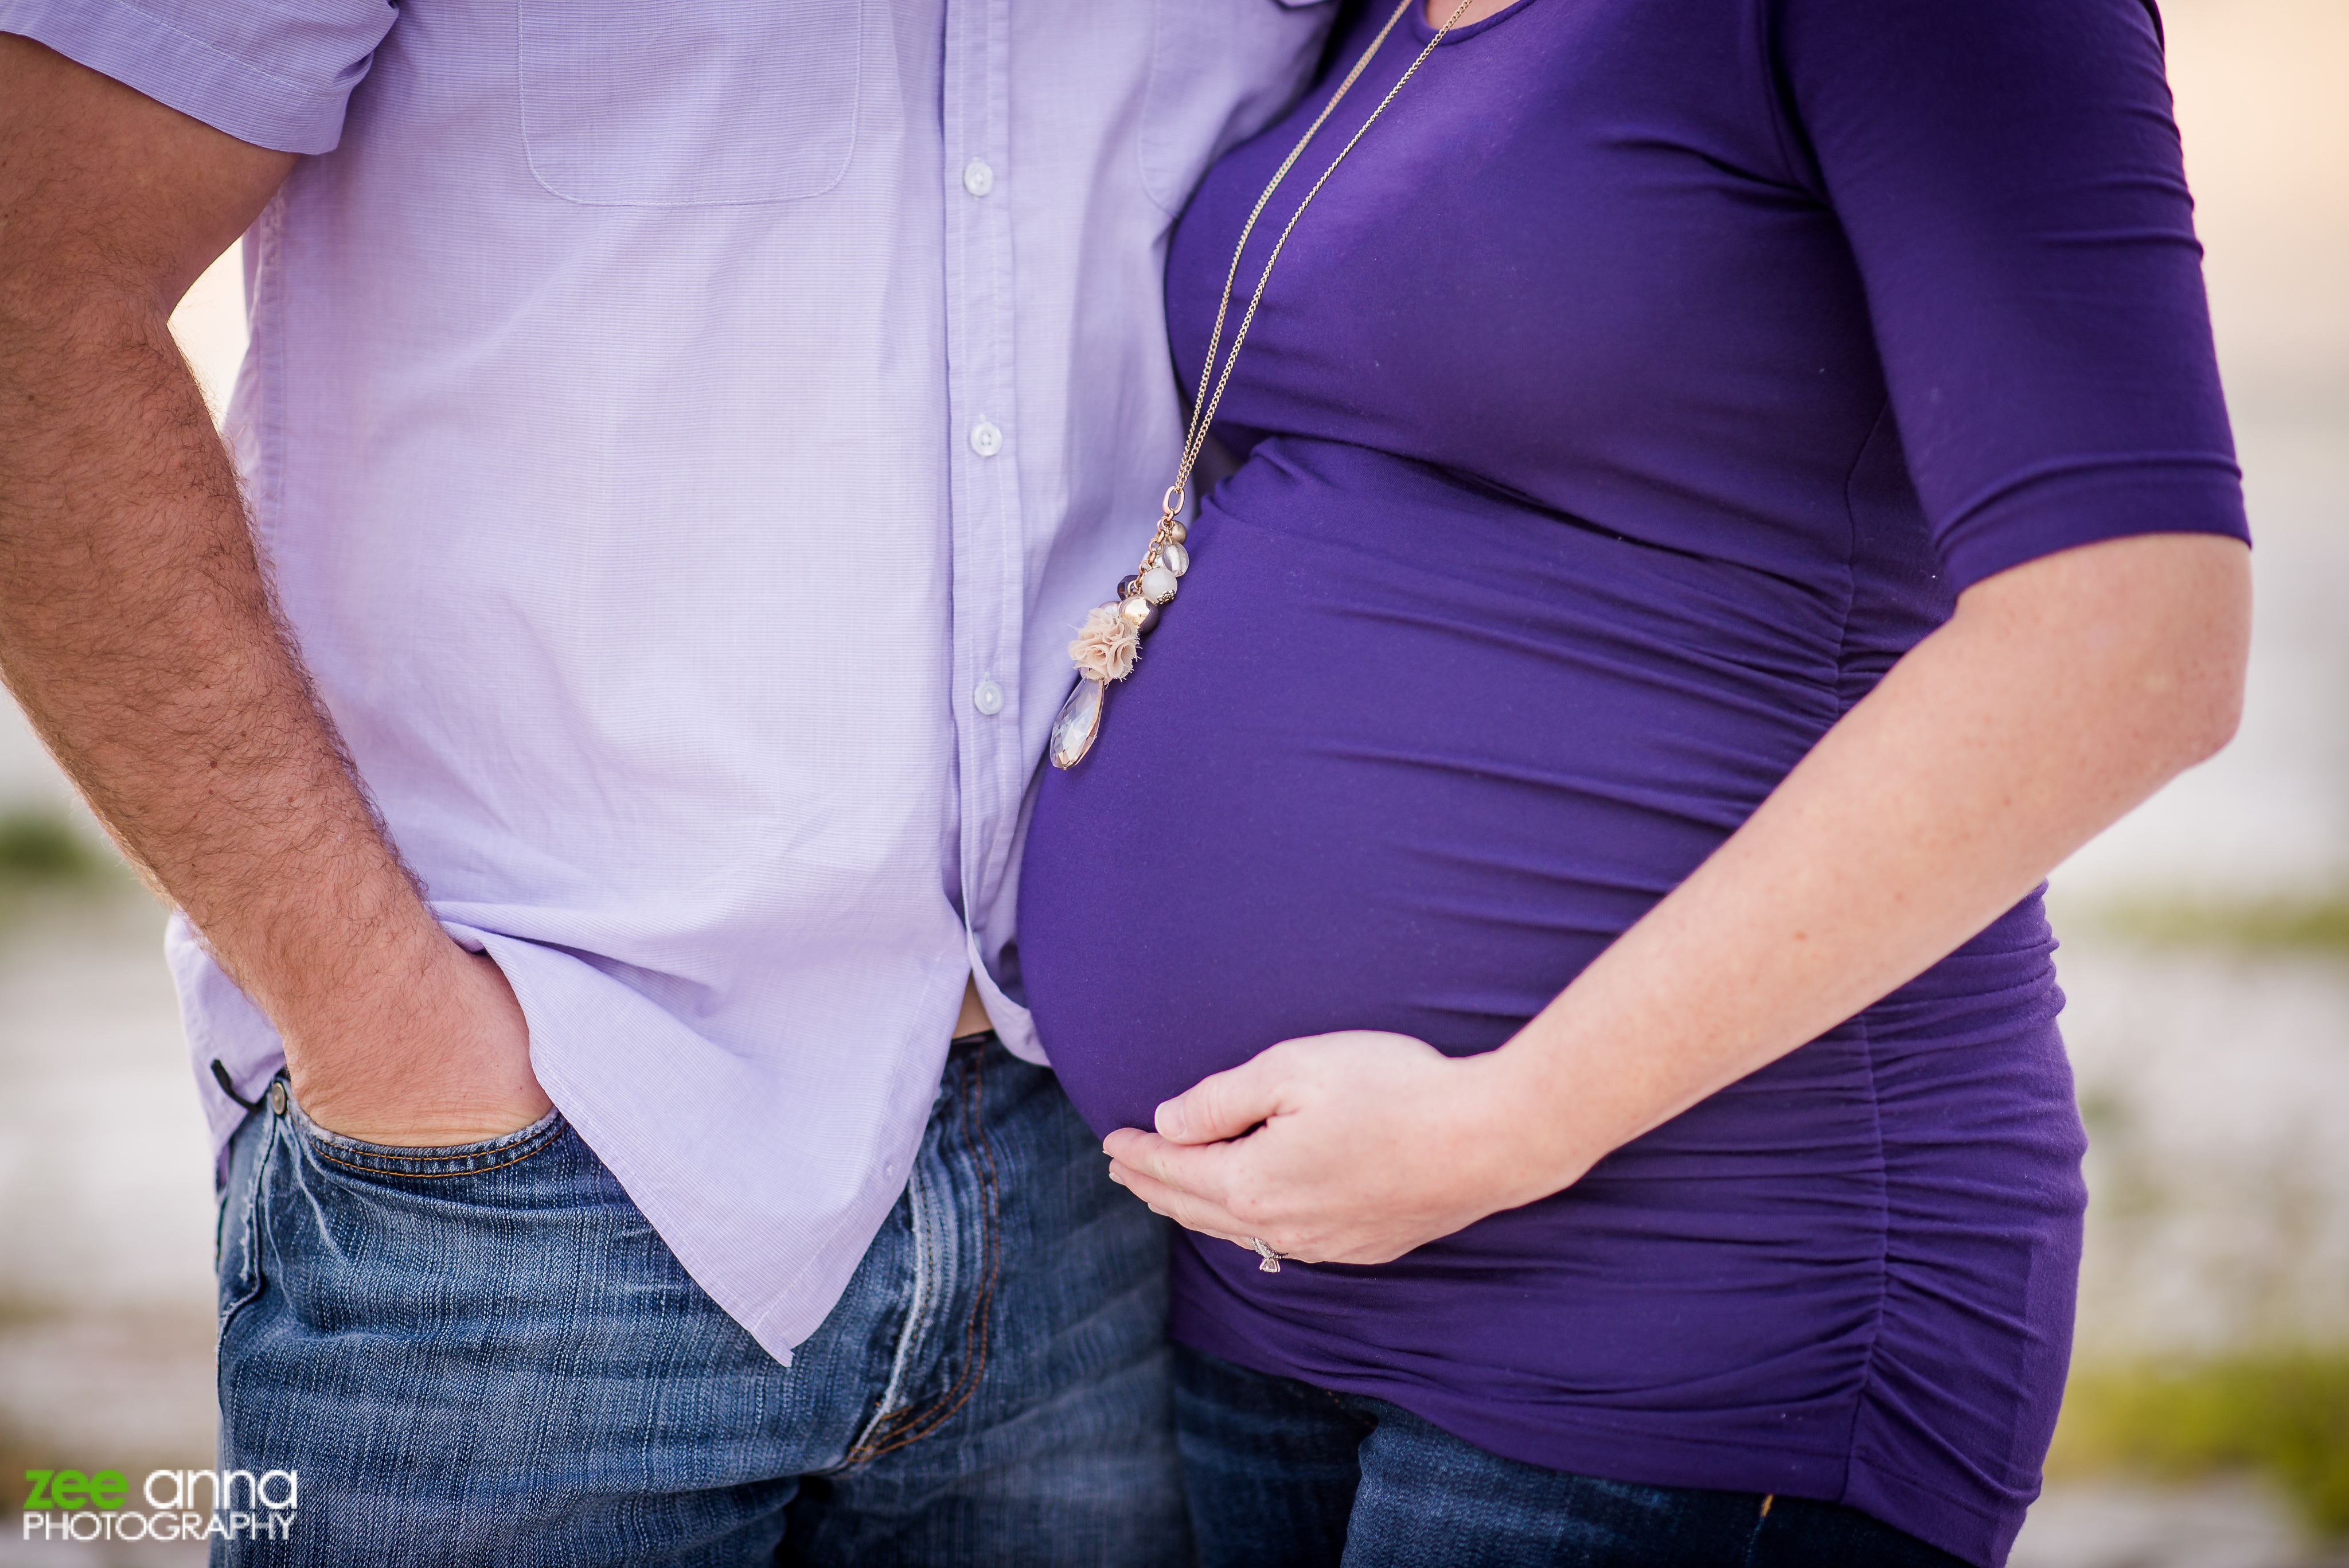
x=1272 y=1260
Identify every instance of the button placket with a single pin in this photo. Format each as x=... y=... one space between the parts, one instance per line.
x=990 y=555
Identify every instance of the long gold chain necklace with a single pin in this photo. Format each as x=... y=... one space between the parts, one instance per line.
x=1110 y=640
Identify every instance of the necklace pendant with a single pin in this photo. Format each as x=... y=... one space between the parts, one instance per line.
x=1079 y=723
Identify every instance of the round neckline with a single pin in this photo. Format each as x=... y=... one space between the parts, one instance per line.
x=1423 y=30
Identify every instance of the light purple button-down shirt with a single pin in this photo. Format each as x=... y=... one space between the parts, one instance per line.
x=687 y=433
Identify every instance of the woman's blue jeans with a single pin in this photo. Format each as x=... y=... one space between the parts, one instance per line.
x=486 y=1356
x=1282 y=1474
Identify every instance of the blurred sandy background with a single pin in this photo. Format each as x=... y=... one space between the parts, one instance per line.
x=2207 y=957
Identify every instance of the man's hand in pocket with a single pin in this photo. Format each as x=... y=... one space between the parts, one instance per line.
x=451 y=1066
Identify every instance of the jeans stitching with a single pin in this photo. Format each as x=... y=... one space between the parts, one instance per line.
x=1753 y=1536
x=925 y=1261
x=248 y=1283
x=891 y=1432
x=975 y=1353
x=522 y=1152
x=327 y=1139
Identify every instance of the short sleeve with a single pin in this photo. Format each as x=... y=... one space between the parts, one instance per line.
x=276 y=73
x=2010 y=178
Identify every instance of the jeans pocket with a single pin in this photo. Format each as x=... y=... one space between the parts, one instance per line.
x=688 y=103
x=476 y=1159
x=237 y=1245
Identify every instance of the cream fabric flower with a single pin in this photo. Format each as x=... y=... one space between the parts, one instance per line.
x=1106 y=645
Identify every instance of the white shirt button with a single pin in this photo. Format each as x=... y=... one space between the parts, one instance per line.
x=977 y=178
x=987 y=698
x=984 y=439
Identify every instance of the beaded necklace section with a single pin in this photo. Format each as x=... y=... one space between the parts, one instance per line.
x=1107 y=644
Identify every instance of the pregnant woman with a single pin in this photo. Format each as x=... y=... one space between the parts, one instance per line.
x=1732 y=492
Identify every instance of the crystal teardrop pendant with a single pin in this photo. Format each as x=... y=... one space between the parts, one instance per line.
x=1079 y=723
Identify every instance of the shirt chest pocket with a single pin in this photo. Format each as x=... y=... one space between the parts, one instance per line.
x=688 y=103
x=1190 y=114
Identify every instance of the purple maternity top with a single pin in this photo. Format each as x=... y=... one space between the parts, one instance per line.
x=1653 y=375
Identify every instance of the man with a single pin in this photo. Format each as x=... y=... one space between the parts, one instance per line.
x=680 y=437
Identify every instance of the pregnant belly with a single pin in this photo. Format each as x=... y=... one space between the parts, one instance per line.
x=1402 y=756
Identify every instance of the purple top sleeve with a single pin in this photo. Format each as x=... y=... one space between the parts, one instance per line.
x=277 y=75
x=2010 y=180
x=1651 y=377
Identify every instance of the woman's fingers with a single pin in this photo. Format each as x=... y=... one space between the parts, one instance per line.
x=1190 y=1184
x=1185 y=1208
x=1348 y=1147
x=1144 y=1153
x=1195 y=1171
x=1222 y=1105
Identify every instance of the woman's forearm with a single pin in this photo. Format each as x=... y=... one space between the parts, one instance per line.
x=2060 y=694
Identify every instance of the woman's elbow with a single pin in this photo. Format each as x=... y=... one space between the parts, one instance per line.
x=2207 y=716
x=2195 y=605
x=2136 y=646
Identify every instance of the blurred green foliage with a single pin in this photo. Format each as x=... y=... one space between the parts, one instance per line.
x=2306 y=925
x=42 y=847
x=2283 y=1413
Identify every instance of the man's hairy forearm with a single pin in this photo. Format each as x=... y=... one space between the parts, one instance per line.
x=137 y=629
x=137 y=626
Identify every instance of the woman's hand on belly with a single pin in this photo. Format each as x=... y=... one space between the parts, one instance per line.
x=1351 y=1148
x=2063 y=692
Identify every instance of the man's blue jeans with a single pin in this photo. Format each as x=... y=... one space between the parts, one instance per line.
x=1286 y=1475
x=485 y=1355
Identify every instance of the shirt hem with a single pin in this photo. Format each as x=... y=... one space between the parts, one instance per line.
x=1579 y=1442
x=1576 y=1442
x=1930 y=1515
